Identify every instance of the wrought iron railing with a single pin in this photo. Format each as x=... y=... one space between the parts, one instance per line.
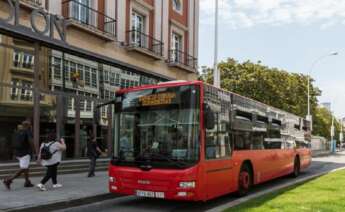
x=182 y=58
x=34 y=2
x=89 y=16
x=139 y=39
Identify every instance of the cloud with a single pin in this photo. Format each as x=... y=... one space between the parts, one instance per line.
x=249 y=13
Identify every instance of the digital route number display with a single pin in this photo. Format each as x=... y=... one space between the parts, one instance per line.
x=157 y=99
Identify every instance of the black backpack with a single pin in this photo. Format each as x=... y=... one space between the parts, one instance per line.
x=45 y=152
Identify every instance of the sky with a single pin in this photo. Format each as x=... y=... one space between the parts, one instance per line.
x=286 y=34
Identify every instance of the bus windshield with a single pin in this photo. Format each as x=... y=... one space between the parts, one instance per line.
x=158 y=126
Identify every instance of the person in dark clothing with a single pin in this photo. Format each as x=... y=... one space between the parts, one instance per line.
x=93 y=152
x=24 y=147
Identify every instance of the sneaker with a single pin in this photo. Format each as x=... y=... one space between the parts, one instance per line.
x=7 y=184
x=28 y=184
x=41 y=187
x=57 y=186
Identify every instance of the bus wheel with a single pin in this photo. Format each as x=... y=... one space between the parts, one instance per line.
x=296 y=167
x=244 y=181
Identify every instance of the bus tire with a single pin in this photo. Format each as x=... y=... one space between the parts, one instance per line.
x=245 y=181
x=296 y=167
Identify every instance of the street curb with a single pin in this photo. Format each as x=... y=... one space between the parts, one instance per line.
x=98 y=206
x=65 y=203
x=275 y=188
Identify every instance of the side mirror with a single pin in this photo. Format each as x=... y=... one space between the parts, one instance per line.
x=208 y=117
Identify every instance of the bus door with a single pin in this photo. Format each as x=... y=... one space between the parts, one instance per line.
x=219 y=177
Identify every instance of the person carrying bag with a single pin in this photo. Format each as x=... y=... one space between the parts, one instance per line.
x=50 y=156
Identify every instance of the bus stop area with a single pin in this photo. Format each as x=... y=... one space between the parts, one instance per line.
x=91 y=194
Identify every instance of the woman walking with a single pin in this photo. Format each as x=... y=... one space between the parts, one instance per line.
x=50 y=156
x=93 y=152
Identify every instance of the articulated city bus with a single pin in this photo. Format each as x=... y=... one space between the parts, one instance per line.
x=192 y=141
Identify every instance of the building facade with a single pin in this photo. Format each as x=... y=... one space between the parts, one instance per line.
x=59 y=59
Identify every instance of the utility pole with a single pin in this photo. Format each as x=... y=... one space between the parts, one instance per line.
x=309 y=117
x=332 y=135
x=216 y=74
x=341 y=135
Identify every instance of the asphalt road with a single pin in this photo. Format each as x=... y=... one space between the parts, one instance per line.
x=135 y=204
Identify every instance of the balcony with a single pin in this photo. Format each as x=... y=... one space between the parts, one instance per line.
x=143 y=43
x=87 y=18
x=182 y=60
x=33 y=2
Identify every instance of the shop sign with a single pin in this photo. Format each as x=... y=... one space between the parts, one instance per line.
x=50 y=22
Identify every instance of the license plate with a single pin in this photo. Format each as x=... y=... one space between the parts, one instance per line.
x=150 y=194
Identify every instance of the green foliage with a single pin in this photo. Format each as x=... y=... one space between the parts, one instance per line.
x=278 y=88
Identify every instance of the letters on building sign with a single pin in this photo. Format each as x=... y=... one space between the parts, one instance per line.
x=51 y=22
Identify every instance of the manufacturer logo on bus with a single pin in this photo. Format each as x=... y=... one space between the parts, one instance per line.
x=144 y=182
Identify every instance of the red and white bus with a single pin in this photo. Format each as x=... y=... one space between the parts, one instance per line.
x=192 y=141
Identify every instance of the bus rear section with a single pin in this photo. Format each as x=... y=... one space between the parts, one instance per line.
x=191 y=141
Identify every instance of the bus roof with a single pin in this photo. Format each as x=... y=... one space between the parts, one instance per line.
x=197 y=82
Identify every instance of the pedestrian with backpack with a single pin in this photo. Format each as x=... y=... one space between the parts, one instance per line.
x=23 y=149
x=50 y=156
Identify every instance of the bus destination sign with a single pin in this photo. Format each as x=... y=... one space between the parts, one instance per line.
x=157 y=99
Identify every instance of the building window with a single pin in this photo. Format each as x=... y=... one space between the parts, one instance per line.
x=14 y=90
x=82 y=105
x=106 y=76
x=112 y=79
x=177 y=6
x=94 y=78
x=23 y=60
x=21 y=90
x=66 y=70
x=80 y=71
x=70 y=103
x=80 y=10
x=117 y=79
x=88 y=105
x=56 y=68
x=138 y=27
x=87 y=76
x=72 y=70
x=176 y=47
x=107 y=94
x=16 y=59
x=28 y=61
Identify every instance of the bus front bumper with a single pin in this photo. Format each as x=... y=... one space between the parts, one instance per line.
x=160 y=184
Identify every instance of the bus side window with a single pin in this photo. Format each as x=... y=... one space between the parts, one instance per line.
x=211 y=140
x=242 y=140
x=218 y=144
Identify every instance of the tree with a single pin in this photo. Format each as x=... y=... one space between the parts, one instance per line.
x=272 y=86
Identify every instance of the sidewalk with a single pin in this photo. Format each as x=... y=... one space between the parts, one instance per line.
x=76 y=187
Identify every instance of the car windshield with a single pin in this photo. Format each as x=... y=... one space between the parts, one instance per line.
x=159 y=126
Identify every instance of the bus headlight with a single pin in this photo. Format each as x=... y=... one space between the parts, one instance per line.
x=112 y=179
x=190 y=184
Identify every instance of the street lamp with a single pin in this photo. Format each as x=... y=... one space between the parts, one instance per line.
x=309 y=116
x=216 y=74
